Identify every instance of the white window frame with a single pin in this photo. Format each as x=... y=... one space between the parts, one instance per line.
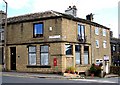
x=104 y=32
x=104 y=44
x=96 y=30
x=44 y=55
x=97 y=43
x=32 y=55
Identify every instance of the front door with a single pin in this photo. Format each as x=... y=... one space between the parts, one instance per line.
x=13 y=58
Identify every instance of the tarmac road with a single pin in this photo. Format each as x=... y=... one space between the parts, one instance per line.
x=10 y=80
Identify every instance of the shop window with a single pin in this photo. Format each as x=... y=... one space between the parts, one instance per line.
x=32 y=55
x=38 y=30
x=44 y=55
x=69 y=49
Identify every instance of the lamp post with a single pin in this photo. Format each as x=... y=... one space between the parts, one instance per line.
x=5 y=28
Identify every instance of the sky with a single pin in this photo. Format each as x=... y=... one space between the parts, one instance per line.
x=105 y=11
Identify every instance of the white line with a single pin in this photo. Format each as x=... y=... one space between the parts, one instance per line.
x=98 y=81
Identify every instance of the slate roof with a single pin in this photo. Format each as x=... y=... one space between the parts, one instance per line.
x=47 y=15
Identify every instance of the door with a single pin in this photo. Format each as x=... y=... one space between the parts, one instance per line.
x=13 y=58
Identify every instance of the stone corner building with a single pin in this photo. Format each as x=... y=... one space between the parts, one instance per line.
x=51 y=41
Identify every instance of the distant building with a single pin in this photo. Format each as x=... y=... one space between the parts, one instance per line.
x=51 y=41
x=115 y=51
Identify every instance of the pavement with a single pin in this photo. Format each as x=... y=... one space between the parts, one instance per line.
x=54 y=76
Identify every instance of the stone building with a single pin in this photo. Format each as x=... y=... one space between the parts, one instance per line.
x=50 y=41
x=115 y=50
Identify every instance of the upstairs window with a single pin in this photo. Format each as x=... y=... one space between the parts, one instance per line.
x=1 y=35
x=97 y=43
x=97 y=31
x=38 y=30
x=114 y=48
x=104 y=32
x=81 y=32
x=104 y=44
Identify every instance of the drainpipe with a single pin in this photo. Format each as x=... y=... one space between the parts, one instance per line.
x=5 y=36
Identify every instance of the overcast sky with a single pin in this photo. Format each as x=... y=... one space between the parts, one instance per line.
x=106 y=11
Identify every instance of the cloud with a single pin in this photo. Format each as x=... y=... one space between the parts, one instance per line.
x=84 y=7
x=17 y=4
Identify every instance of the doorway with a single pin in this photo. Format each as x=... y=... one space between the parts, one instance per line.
x=13 y=57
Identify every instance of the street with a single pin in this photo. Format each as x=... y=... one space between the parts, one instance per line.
x=13 y=79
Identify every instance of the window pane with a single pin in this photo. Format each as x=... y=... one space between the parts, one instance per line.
x=104 y=44
x=77 y=54
x=77 y=48
x=2 y=36
x=38 y=28
x=85 y=57
x=68 y=49
x=44 y=58
x=79 y=31
x=96 y=31
x=97 y=44
x=44 y=48
x=104 y=32
x=32 y=49
x=32 y=59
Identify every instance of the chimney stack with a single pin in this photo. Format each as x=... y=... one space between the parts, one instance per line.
x=71 y=11
x=90 y=17
x=2 y=14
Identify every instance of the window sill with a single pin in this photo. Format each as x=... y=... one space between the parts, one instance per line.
x=83 y=65
x=36 y=66
x=69 y=56
x=38 y=37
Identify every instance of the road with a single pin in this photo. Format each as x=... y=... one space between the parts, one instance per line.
x=106 y=81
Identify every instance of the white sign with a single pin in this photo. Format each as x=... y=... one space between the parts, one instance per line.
x=106 y=57
x=55 y=36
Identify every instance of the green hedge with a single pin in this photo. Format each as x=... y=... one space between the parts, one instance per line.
x=115 y=70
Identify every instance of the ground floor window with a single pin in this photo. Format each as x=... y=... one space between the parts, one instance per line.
x=32 y=55
x=86 y=55
x=44 y=55
x=69 y=49
x=78 y=54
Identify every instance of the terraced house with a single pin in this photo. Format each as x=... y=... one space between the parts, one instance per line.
x=50 y=41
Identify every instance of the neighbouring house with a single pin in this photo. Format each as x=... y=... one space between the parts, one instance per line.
x=115 y=51
x=50 y=41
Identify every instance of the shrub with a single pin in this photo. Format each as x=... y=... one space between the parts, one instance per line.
x=95 y=69
x=70 y=69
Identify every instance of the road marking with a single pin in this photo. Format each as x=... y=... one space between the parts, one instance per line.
x=97 y=81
